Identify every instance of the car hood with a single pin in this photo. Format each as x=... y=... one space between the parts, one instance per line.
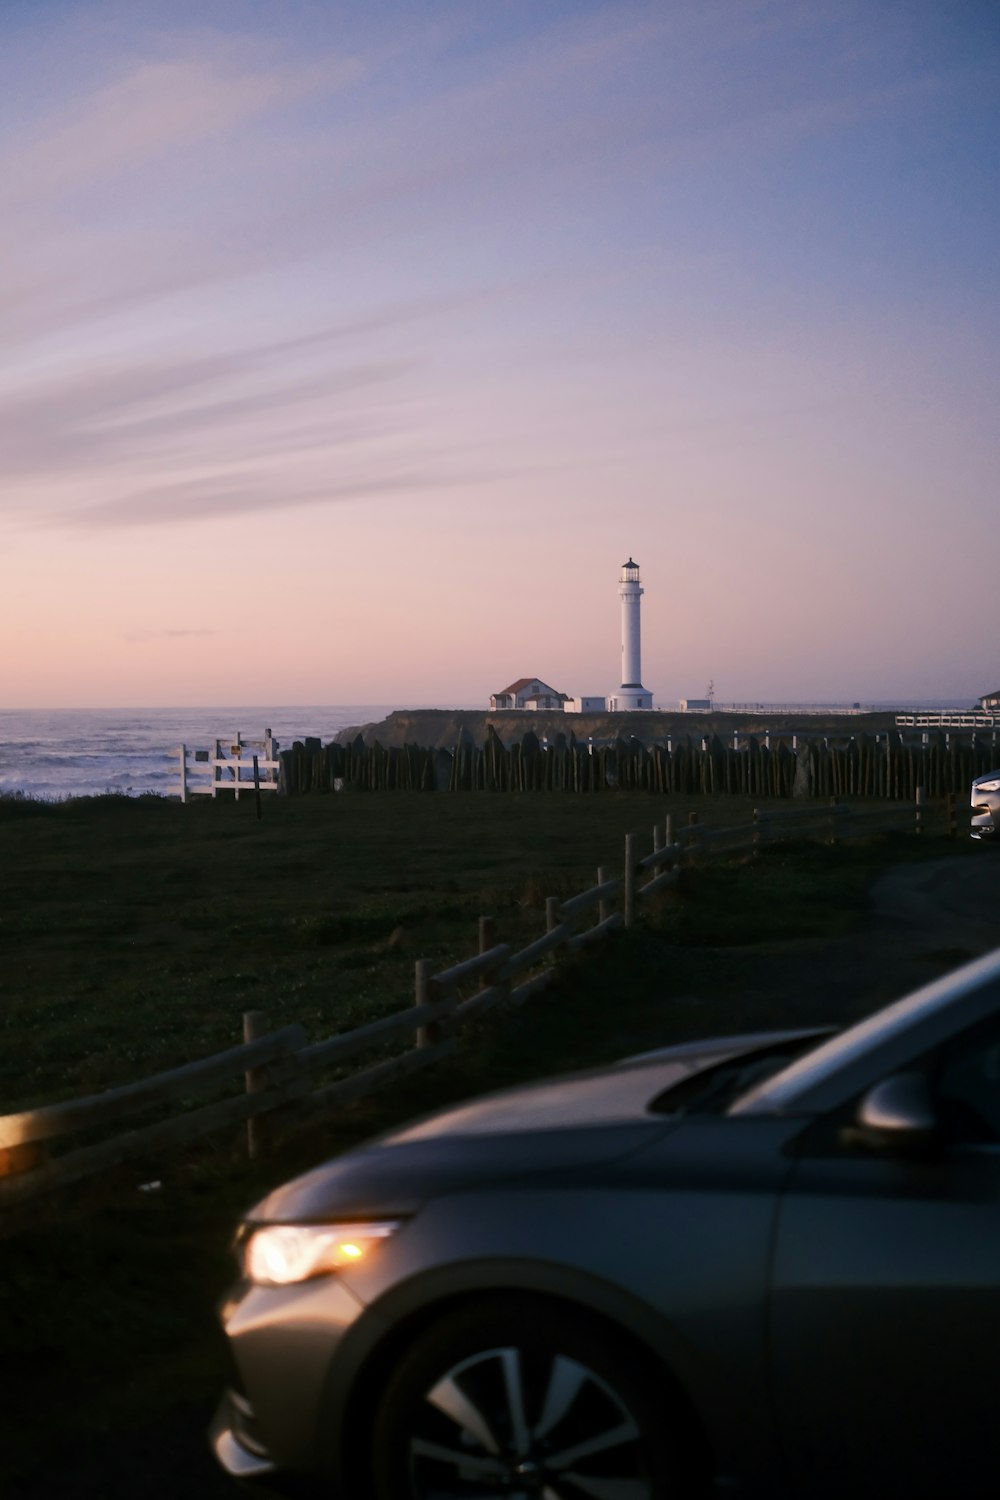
x=576 y=1124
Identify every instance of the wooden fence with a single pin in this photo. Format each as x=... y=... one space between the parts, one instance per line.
x=870 y=765
x=282 y=1071
x=236 y=765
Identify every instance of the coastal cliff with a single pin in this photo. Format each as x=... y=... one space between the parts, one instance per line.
x=443 y=728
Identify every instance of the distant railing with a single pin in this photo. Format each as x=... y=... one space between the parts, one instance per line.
x=235 y=765
x=283 y=1071
x=834 y=710
x=976 y=718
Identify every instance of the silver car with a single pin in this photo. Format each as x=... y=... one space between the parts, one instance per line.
x=986 y=805
x=754 y=1266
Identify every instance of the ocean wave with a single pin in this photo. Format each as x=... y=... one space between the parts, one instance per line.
x=61 y=753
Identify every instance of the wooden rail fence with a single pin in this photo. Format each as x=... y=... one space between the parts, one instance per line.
x=282 y=1071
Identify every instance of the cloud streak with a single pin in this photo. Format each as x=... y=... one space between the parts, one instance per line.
x=209 y=498
x=155 y=108
x=140 y=637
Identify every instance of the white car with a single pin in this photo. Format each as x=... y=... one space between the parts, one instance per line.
x=986 y=805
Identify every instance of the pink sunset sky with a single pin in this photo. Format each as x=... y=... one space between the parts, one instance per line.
x=348 y=350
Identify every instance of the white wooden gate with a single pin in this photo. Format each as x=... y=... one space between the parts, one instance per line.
x=233 y=765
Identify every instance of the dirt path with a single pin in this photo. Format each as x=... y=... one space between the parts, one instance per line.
x=946 y=903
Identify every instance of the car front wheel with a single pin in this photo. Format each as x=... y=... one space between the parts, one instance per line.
x=524 y=1402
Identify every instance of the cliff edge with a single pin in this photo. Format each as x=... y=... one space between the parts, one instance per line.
x=443 y=728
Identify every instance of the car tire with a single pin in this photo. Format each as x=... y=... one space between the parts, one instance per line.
x=526 y=1398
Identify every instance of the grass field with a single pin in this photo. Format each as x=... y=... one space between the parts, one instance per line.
x=134 y=934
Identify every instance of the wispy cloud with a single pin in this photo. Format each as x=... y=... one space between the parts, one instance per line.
x=209 y=498
x=139 y=637
x=156 y=412
x=144 y=187
x=154 y=108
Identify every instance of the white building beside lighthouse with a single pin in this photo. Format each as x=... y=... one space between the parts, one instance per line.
x=532 y=693
x=631 y=695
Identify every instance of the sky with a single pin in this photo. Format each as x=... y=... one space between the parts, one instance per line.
x=347 y=351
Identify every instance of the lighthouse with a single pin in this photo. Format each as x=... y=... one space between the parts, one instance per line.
x=631 y=694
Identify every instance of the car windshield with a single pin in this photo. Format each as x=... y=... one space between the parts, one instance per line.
x=711 y=1090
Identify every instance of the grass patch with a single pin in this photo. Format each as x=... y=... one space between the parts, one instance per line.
x=134 y=932
x=787 y=892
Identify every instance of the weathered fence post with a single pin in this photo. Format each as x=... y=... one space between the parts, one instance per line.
x=693 y=837
x=919 y=811
x=668 y=831
x=488 y=940
x=490 y=978
x=254 y=1027
x=430 y=1033
x=604 y=905
x=552 y=920
x=184 y=772
x=629 y=879
x=759 y=829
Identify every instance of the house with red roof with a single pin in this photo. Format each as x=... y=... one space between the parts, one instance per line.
x=529 y=693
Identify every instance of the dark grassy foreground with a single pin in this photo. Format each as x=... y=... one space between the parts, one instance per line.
x=133 y=935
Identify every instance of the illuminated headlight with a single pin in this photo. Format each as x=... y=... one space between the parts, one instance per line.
x=988 y=786
x=282 y=1254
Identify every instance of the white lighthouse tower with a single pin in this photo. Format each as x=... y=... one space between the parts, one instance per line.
x=631 y=694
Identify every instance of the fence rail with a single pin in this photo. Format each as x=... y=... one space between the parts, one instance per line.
x=975 y=718
x=282 y=1071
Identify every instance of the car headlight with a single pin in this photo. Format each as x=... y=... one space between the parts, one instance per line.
x=988 y=786
x=282 y=1254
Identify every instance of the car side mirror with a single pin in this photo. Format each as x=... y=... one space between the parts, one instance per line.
x=896 y=1116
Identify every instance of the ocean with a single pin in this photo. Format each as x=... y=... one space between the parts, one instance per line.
x=68 y=752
